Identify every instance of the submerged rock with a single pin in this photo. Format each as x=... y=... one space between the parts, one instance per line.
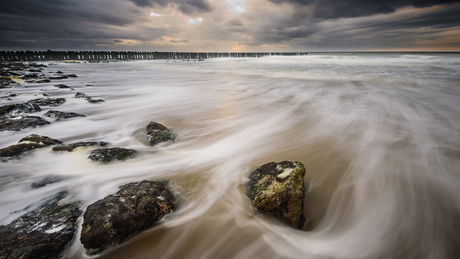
x=134 y=208
x=278 y=190
x=157 y=133
x=16 y=109
x=41 y=233
x=95 y=100
x=63 y=86
x=28 y=143
x=82 y=95
x=62 y=115
x=110 y=154
x=47 y=180
x=88 y=98
x=22 y=122
x=48 y=101
x=72 y=146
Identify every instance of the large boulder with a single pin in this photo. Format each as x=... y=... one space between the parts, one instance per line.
x=28 y=143
x=42 y=233
x=62 y=115
x=21 y=122
x=112 y=154
x=278 y=190
x=134 y=208
x=157 y=133
x=19 y=108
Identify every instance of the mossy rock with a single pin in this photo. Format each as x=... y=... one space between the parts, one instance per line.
x=278 y=189
x=157 y=133
x=112 y=154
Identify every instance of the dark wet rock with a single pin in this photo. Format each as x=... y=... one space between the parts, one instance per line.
x=19 y=108
x=47 y=180
x=112 y=154
x=278 y=190
x=48 y=101
x=88 y=98
x=30 y=75
x=95 y=100
x=62 y=115
x=73 y=146
x=42 y=233
x=21 y=122
x=72 y=75
x=63 y=86
x=57 y=77
x=82 y=95
x=35 y=70
x=28 y=143
x=134 y=208
x=59 y=72
x=157 y=133
x=6 y=82
x=41 y=81
x=37 y=65
x=8 y=95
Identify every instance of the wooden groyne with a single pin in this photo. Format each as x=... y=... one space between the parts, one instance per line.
x=128 y=55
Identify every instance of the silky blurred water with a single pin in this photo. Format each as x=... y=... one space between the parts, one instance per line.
x=379 y=135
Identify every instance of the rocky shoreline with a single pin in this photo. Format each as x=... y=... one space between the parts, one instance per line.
x=275 y=189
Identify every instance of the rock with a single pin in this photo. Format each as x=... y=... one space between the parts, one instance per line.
x=88 y=98
x=82 y=95
x=6 y=82
x=28 y=143
x=43 y=80
x=16 y=109
x=110 y=154
x=95 y=100
x=62 y=115
x=278 y=190
x=41 y=233
x=59 y=72
x=72 y=75
x=48 y=101
x=8 y=95
x=22 y=122
x=57 y=77
x=134 y=208
x=72 y=146
x=157 y=133
x=63 y=86
x=47 y=180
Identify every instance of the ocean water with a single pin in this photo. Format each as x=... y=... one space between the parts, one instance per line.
x=379 y=135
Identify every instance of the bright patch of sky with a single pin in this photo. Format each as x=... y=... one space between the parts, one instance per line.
x=236 y=6
x=155 y=14
x=194 y=21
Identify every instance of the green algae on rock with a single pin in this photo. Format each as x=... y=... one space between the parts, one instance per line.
x=278 y=190
x=157 y=133
x=134 y=208
x=110 y=154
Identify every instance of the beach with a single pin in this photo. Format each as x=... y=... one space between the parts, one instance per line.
x=378 y=134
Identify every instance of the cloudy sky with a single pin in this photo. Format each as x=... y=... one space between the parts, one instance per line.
x=230 y=25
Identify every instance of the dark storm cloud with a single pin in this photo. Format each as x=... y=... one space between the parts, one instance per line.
x=189 y=7
x=330 y=9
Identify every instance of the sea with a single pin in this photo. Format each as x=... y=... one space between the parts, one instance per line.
x=378 y=133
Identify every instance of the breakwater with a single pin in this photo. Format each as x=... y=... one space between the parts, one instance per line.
x=129 y=55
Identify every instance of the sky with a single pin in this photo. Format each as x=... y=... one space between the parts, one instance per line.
x=230 y=25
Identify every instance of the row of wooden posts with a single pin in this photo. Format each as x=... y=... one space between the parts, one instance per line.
x=129 y=55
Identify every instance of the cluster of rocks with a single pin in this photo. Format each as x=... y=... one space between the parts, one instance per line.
x=46 y=232
x=25 y=71
x=88 y=98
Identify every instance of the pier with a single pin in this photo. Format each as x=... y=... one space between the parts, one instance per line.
x=12 y=56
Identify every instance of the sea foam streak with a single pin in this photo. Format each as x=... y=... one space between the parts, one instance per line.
x=379 y=135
